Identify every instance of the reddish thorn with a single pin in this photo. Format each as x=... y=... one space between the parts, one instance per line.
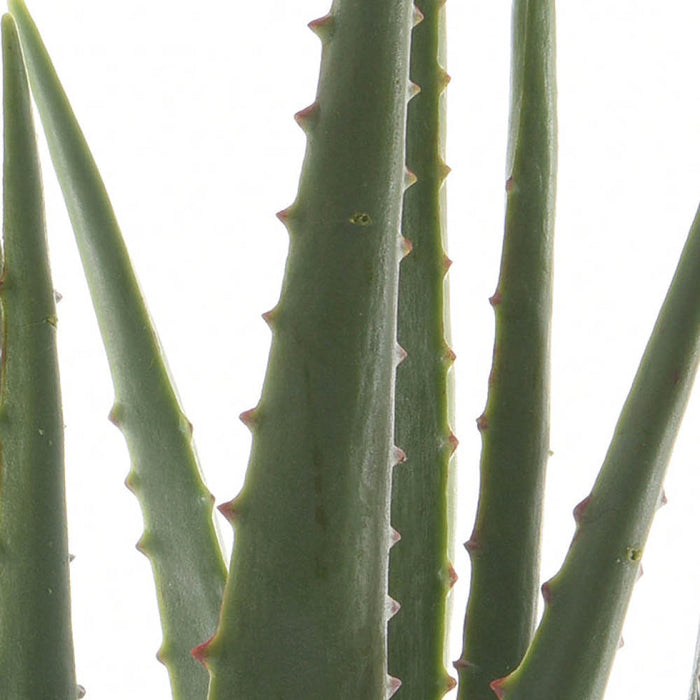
x=406 y=247
x=444 y=169
x=444 y=80
x=447 y=264
x=57 y=296
x=321 y=26
x=450 y=684
x=482 y=423
x=450 y=356
x=640 y=573
x=409 y=178
x=580 y=509
x=662 y=500
x=399 y=456
x=113 y=415
x=392 y=607
x=269 y=317
x=229 y=511
x=452 y=441
x=305 y=116
x=461 y=664
x=498 y=687
x=621 y=643
x=132 y=481
x=472 y=545
x=284 y=215
x=418 y=16
x=394 y=536
x=393 y=685
x=496 y=299
x=452 y=576
x=200 y=652
x=510 y=184
x=401 y=354
x=249 y=418
x=547 y=592
x=413 y=89
x=142 y=544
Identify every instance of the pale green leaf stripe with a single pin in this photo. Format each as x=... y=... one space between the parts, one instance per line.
x=179 y=536
x=36 y=645
x=573 y=650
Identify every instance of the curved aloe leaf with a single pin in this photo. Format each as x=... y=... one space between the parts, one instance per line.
x=504 y=546
x=585 y=603
x=36 y=644
x=420 y=573
x=305 y=606
x=179 y=536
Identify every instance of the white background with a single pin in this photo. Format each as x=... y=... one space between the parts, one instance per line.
x=188 y=108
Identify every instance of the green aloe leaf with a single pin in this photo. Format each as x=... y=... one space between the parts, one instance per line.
x=420 y=573
x=179 y=536
x=305 y=608
x=505 y=543
x=36 y=643
x=586 y=601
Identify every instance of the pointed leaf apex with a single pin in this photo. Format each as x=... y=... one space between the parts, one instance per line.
x=418 y=16
x=392 y=684
x=323 y=27
x=307 y=117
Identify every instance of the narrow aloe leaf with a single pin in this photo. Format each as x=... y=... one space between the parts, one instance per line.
x=36 y=642
x=179 y=536
x=420 y=573
x=585 y=603
x=305 y=607
x=504 y=546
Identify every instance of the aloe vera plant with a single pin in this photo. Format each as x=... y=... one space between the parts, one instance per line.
x=344 y=557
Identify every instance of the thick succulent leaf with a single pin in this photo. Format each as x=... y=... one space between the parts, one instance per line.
x=179 y=536
x=36 y=643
